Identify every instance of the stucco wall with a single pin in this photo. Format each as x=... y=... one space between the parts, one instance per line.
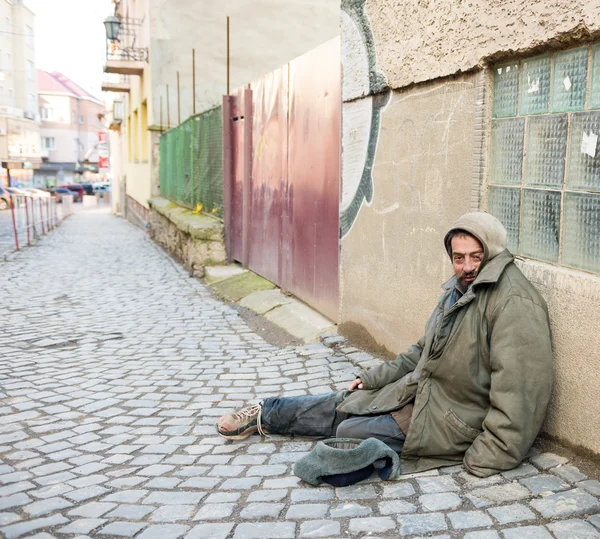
x=574 y=303
x=418 y=40
x=393 y=259
x=264 y=35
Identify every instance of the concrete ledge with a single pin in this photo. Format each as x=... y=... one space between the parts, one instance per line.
x=241 y=285
x=195 y=239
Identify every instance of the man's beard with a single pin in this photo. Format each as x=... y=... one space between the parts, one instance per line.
x=464 y=285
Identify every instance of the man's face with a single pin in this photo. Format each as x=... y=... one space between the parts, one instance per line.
x=467 y=254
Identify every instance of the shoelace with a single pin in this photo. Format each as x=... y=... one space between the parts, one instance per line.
x=248 y=413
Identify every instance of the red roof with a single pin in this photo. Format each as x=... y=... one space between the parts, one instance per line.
x=56 y=82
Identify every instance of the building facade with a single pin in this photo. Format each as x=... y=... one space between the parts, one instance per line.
x=155 y=44
x=450 y=107
x=19 y=120
x=70 y=121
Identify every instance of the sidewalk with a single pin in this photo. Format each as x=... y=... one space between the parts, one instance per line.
x=115 y=366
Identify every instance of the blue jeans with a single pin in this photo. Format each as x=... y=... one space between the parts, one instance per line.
x=316 y=415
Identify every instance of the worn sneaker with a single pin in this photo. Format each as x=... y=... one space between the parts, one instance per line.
x=241 y=424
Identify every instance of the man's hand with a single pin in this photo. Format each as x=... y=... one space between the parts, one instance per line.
x=355 y=384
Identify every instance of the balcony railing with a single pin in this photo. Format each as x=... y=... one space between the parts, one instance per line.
x=124 y=55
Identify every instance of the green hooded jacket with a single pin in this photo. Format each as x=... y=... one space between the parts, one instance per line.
x=481 y=377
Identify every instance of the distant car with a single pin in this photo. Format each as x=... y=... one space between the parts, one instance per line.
x=4 y=199
x=101 y=189
x=60 y=192
x=36 y=192
x=17 y=192
x=88 y=188
x=76 y=188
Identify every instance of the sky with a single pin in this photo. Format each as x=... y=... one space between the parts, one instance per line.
x=70 y=38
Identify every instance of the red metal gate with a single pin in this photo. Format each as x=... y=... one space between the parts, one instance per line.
x=282 y=172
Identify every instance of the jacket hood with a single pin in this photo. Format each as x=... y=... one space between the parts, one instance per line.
x=486 y=228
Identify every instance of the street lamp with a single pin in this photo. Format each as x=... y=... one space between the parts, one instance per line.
x=113 y=26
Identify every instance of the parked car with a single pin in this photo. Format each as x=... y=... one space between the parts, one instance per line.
x=101 y=189
x=60 y=192
x=88 y=188
x=4 y=199
x=17 y=192
x=36 y=192
x=76 y=188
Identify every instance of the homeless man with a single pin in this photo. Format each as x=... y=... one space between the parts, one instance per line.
x=474 y=389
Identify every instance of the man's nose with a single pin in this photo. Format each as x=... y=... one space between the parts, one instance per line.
x=469 y=266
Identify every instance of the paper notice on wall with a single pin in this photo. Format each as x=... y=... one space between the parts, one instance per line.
x=533 y=85
x=589 y=143
x=508 y=69
x=567 y=83
x=499 y=71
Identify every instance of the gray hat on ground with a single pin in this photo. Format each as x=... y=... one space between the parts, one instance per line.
x=345 y=461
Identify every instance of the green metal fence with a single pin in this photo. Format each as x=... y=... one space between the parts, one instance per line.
x=191 y=162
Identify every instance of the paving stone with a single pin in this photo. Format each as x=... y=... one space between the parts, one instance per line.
x=566 y=504
x=413 y=524
x=440 y=502
x=163 y=531
x=399 y=490
x=569 y=473
x=224 y=497
x=523 y=470
x=462 y=520
x=125 y=496
x=173 y=498
x=502 y=493
x=41 y=508
x=22 y=528
x=261 y=510
x=215 y=511
x=92 y=509
x=356 y=492
x=307 y=510
x=82 y=526
x=527 y=532
x=545 y=461
x=509 y=514
x=371 y=524
x=265 y=530
x=485 y=534
x=349 y=509
x=544 y=483
x=173 y=513
x=595 y=520
x=569 y=529
x=431 y=485
x=210 y=531
x=319 y=528
x=8 y=518
x=130 y=512
x=592 y=486
x=122 y=529
x=15 y=500
x=393 y=507
x=270 y=495
x=86 y=493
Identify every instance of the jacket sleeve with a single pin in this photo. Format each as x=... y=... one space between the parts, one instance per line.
x=391 y=371
x=521 y=383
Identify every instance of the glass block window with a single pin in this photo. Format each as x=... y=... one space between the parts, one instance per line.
x=544 y=175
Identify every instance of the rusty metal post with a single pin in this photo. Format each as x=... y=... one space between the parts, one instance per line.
x=14 y=222
x=247 y=185
x=168 y=111
x=193 y=81
x=178 y=101
x=27 y=221
x=227 y=55
x=227 y=175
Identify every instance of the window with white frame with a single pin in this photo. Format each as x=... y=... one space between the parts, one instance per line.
x=30 y=70
x=48 y=143
x=544 y=182
x=47 y=113
x=29 y=35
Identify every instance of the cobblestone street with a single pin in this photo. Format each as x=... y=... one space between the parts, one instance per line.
x=115 y=366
